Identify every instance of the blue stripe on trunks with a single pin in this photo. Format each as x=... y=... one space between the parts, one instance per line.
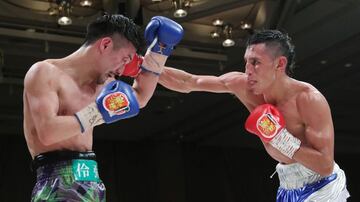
x=301 y=194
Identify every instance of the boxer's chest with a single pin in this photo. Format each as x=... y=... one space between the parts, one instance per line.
x=72 y=98
x=294 y=123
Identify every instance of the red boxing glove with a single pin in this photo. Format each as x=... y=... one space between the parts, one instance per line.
x=268 y=123
x=133 y=68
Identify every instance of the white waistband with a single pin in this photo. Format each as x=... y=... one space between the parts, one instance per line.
x=293 y=176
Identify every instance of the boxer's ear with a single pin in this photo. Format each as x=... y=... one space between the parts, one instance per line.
x=105 y=44
x=281 y=64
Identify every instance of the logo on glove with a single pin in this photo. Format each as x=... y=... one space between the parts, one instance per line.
x=161 y=48
x=116 y=103
x=267 y=125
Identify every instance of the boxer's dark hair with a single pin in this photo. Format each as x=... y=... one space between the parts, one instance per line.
x=281 y=42
x=108 y=25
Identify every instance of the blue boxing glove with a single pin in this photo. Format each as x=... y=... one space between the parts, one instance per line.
x=161 y=34
x=116 y=101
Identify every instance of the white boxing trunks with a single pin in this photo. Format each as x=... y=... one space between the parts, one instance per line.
x=300 y=184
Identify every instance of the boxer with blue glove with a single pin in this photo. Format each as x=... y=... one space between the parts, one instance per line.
x=65 y=98
x=162 y=34
x=117 y=100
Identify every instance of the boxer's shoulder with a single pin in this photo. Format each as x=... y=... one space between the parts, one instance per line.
x=237 y=83
x=309 y=94
x=42 y=73
x=305 y=88
x=234 y=76
x=234 y=80
x=42 y=68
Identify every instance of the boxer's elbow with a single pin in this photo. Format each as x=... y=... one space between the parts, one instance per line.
x=46 y=135
x=325 y=166
x=45 y=139
x=142 y=104
x=327 y=169
x=143 y=96
x=142 y=101
x=185 y=90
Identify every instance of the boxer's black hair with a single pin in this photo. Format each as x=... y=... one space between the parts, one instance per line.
x=277 y=40
x=107 y=25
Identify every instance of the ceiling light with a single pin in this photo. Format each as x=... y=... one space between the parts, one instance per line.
x=323 y=62
x=53 y=11
x=64 y=12
x=228 y=42
x=225 y=31
x=348 y=65
x=246 y=26
x=218 y=22
x=214 y=34
x=64 y=20
x=181 y=7
x=86 y=3
x=31 y=30
x=180 y=13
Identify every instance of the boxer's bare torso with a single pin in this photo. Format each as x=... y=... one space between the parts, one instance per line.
x=306 y=111
x=66 y=96
x=291 y=108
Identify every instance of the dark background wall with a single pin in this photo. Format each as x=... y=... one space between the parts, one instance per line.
x=141 y=171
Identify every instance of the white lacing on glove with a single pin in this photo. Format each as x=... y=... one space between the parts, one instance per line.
x=286 y=143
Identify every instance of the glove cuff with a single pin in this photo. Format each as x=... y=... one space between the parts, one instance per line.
x=154 y=62
x=89 y=117
x=286 y=143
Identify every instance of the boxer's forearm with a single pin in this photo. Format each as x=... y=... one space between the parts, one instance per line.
x=58 y=129
x=176 y=80
x=315 y=160
x=144 y=87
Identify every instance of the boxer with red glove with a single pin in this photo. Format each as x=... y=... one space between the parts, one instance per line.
x=134 y=67
x=268 y=123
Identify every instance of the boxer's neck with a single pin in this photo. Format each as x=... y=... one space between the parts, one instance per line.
x=82 y=66
x=279 y=91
